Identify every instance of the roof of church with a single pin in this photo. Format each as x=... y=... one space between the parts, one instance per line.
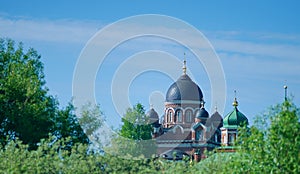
x=197 y=125
x=202 y=113
x=215 y=119
x=234 y=118
x=184 y=89
x=152 y=114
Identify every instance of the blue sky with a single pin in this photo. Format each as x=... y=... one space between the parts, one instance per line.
x=258 y=43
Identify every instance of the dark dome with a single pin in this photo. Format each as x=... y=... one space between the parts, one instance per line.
x=202 y=113
x=153 y=116
x=184 y=89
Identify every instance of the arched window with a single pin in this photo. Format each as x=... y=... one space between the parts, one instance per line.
x=188 y=116
x=178 y=116
x=170 y=116
x=216 y=137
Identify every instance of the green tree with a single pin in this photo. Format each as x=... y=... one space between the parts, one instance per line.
x=27 y=111
x=271 y=145
x=134 y=137
x=91 y=120
x=274 y=148
x=67 y=126
x=284 y=139
x=135 y=124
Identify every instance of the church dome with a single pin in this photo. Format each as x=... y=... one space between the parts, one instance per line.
x=202 y=113
x=184 y=89
x=152 y=115
x=235 y=118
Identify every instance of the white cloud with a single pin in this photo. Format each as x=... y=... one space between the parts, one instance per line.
x=257 y=50
x=274 y=50
x=245 y=56
x=255 y=36
x=67 y=31
x=247 y=66
x=77 y=31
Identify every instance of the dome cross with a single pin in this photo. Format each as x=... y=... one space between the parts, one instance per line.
x=235 y=103
x=184 y=65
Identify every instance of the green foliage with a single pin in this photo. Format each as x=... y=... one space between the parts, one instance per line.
x=216 y=163
x=135 y=124
x=134 y=138
x=49 y=157
x=26 y=110
x=67 y=125
x=274 y=148
x=284 y=139
x=52 y=157
x=258 y=153
x=91 y=119
x=28 y=114
x=272 y=145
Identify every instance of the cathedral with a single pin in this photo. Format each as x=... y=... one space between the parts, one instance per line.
x=187 y=129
